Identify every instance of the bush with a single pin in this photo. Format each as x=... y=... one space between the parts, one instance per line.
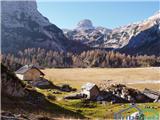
x=51 y=96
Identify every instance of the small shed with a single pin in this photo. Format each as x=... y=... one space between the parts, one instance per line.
x=90 y=91
x=154 y=95
x=29 y=72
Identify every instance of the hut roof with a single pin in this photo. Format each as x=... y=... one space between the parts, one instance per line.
x=152 y=94
x=151 y=91
x=88 y=86
x=25 y=68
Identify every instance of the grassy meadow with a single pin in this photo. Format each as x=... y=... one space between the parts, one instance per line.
x=94 y=110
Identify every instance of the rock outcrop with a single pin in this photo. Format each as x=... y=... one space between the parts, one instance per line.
x=121 y=91
x=11 y=85
x=23 y=26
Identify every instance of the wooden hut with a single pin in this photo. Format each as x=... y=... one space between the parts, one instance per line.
x=29 y=72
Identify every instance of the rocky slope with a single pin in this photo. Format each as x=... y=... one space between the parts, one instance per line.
x=11 y=85
x=24 y=27
x=15 y=88
x=137 y=38
x=21 y=101
x=145 y=37
x=122 y=36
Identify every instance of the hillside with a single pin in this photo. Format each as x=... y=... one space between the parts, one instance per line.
x=21 y=101
x=11 y=85
x=90 y=58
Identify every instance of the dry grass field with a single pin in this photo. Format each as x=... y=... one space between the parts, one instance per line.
x=134 y=77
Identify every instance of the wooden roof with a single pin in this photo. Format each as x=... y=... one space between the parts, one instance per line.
x=25 y=68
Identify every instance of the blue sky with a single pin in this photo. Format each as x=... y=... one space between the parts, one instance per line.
x=107 y=14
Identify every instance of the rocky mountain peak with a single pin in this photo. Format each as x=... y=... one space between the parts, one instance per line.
x=19 y=11
x=85 y=24
x=20 y=5
x=23 y=26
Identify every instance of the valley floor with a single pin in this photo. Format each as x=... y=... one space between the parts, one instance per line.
x=139 y=78
x=57 y=107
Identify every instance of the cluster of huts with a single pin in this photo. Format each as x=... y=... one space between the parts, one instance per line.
x=116 y=93
x=90 y=91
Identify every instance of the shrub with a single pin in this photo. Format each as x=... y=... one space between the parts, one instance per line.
x=51 y=96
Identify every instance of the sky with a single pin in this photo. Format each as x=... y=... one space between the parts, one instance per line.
x=66 y=14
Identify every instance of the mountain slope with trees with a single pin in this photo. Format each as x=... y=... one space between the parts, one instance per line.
x=91 y=58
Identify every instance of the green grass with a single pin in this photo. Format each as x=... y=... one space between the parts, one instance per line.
x=95 y=110
x=47 y=107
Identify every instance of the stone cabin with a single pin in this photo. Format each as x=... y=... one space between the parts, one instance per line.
x=29 y=72
x=90 y=91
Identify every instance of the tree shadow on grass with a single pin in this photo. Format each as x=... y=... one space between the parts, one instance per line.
x=40 y=107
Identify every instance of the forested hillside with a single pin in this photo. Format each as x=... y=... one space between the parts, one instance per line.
x=90 y=58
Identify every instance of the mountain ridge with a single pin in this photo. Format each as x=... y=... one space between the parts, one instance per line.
x=23 y=26
x=120 y=38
